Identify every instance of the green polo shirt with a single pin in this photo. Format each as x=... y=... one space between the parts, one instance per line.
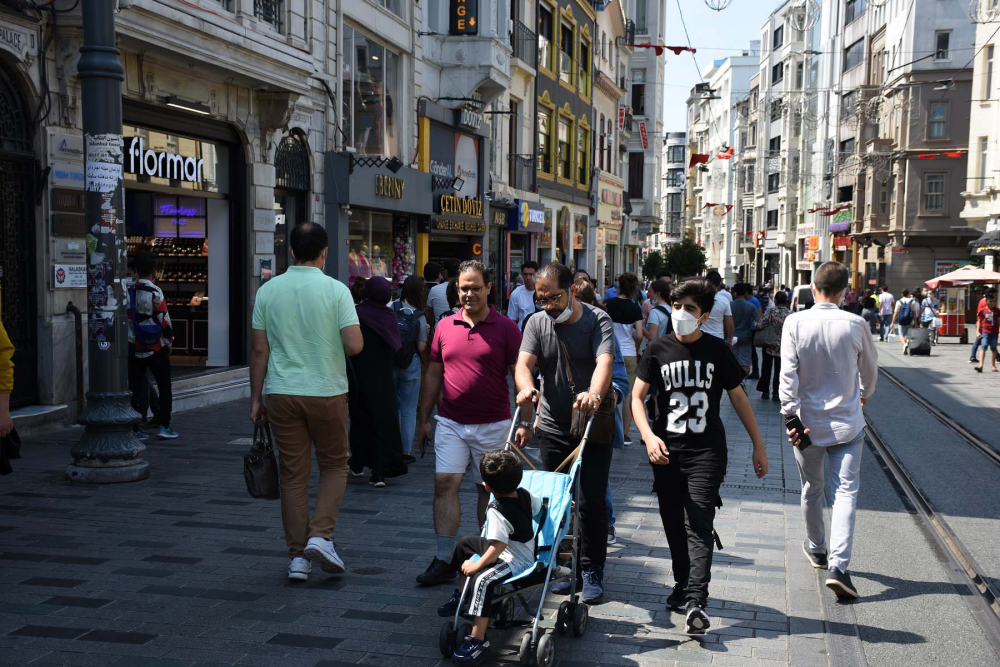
x=303 y=311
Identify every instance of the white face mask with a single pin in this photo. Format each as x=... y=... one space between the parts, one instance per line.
x=564 y=315
x=684 y=322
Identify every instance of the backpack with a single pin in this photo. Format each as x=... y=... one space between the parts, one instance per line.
x=669 y=328
x=409 y=332
x=905 y=312
x=146 y=329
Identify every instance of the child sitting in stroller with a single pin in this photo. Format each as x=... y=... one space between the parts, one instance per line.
x=507 y=548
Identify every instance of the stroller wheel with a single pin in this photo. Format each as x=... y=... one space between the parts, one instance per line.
x=446 y=640
x=506 y=612
x=546 y=653
x=525 y=654
x=580 y=617
x=464 y=629
x=564 y=619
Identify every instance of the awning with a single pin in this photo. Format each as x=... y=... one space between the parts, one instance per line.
x=837 y=227
x=988 y=243
x=967 y=275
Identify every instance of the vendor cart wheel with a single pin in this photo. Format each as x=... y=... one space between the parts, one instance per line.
x=546 y=653
x=525 y=654
x=580 y=617
x=446 y=640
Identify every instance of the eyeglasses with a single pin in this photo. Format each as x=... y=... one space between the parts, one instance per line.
x=470 y=290
x=546 y=300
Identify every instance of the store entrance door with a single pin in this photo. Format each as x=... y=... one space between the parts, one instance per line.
x=17 y=246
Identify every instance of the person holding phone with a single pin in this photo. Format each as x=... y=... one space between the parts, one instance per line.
x=828 y=371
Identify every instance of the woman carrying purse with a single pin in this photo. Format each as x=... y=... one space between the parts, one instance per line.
x=768 y=336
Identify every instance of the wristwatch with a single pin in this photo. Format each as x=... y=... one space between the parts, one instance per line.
x=527 y=425
x=596 y=396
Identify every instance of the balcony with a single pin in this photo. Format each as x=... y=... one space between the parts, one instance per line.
x=522 y=172
x=524 y=42
x=474 y=65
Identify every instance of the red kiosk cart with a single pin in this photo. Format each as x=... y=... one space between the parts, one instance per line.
x=954 y=297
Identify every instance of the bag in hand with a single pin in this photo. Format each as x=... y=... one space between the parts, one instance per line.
x=766 y=337
x=602 y=431
x=10 y=448
x=260 y=467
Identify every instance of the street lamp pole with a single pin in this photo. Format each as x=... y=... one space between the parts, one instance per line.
x=107 y=450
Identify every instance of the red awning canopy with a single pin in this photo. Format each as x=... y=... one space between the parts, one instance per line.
x=967 y=275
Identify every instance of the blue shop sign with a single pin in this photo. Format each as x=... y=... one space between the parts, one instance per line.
x=527 y=216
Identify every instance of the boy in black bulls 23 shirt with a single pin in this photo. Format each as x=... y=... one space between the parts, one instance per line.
x=687 y=442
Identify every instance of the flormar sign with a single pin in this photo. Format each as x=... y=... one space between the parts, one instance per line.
x=389 y=186
x=152 y=163
x=463 y=205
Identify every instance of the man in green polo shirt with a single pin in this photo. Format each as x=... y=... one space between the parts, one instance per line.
x=303 y=324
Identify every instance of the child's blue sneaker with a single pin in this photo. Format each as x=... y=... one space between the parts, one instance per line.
x=449 y=607
x=471 y=652
x=167 y=433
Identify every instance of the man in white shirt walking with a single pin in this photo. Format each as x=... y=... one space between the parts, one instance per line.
x=828 y=372
x=522 y=299
x=720 y=321
x=886 y=303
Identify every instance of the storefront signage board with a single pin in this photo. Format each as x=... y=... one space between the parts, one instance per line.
x=462 y=17
x=613 y=236
x=18 y=41
x=69 y=251
x=643 y=135
x=455 y=155
x=804 y=266
x=156 y=164
x=943 y=266
x=462 y=205
x=770 y=245
x=621 y=117
x=813 y=243
x=69 y=276
x=64 y=146
x=462 y=226
x=498 y=217
x=389 y=186
x=528 y=217
x=67 y=174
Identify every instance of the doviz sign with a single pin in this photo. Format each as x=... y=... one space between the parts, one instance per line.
x=463 y=205
x=389 y=186
x=152 y=163
x=463 y=17
x=460 y=226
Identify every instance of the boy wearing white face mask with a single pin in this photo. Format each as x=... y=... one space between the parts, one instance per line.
x=686 y=444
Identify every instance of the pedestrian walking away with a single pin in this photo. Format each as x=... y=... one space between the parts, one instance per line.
x=522 y=299
x=754 y=365
x=413 y=334
x=626 y=316
x=988 y=325
x=471 y=354
x=304 y=326
x=828 y=371
x=744 y=314
x=904 y=315
x=720 y=321
x=374 y=412
x=886 y=304
x=573 y=347
x=687 y=445
x=769 y=326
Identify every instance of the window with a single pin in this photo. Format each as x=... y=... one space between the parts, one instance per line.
x=371 y=75
x=942 y=38
x=582 y=155
x=779 y=36
x=777 y=73
x=675 y=178
x=674 y=202
x=774 y=144
x=799 y=76
x=545 y=141
x=603 y=138
x=753 y=134
x=639 y=92
x=583 y=77
x=675 y=154
x=772 y=219
x=846 y=148
x=936 y=125
x=772 y=182
x=933 y=193
x=750 y=178
x=988 y=72
x=640 y=17
x=604 y=39
x=565 y=147
x=566 y=45
x=545 y=37
x=636 y=169
x=981 y=180
x=853 y=10
x=883 y=200
x=854 y=54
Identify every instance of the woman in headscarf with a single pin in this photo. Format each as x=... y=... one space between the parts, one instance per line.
x=375 y=440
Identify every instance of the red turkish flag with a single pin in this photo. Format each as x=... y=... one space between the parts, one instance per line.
x=698 y=158
x=726 y=155
x=954 y=153
x=927 y=156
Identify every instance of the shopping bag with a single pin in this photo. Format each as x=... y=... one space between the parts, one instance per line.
x=260 y=466
x=937 y=323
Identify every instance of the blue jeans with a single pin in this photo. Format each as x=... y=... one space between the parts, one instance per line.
x=883 y=329
x=975 y=348
x=617 y=442
x=407 y=381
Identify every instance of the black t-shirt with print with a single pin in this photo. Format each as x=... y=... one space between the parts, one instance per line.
x=623 y=311
x=690 y=379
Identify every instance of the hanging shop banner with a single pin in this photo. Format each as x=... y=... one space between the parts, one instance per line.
x=463 y=17
x=621 y=117
x=814 y=243
x=841 y=241
x=643 y=135
x=455 y=155
x=943 y=266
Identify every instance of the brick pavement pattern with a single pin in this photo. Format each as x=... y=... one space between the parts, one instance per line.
x=186 y=569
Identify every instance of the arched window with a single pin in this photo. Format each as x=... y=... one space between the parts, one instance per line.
x=15 y=136
x=291 y=164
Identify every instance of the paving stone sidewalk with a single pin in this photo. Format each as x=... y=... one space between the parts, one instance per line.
x=185 y=568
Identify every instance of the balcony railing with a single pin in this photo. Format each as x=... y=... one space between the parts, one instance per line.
x=268 y=11
x=525 y=44
x=522 y=172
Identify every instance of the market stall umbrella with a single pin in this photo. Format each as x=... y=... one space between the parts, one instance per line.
x=986 y=244
x=967 y=275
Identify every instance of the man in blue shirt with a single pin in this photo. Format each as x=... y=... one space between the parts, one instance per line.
x=753 y=350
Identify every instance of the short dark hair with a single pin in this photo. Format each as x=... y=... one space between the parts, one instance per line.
x=413 y=292
x=781 y=298
x=714 y=278
x=473 y=265
x=451 y=267
x=452 y=293
x=906 y=292
x=700 y=290
x=529 y=265
x=628 y=283
x=585 y=291
x=560 y=272
x=358 y=290
x=740 y=289
x=432 y=272
x=661 y=287
x=831 y=278
x=144 y=264
x=501 y=469
x=664 y=274
x=991 y=292
x=307 y=241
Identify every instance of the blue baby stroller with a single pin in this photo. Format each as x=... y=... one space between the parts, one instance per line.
x=555 y=490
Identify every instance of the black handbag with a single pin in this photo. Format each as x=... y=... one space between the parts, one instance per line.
x=602 y=431
x=260 y=466
x=10 y=448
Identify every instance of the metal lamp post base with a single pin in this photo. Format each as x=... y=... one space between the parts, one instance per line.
x=108 y=452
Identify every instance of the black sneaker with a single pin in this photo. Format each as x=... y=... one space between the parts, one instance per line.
x=676 y=599
x=377 y=481
x=438 y=572
x=697 y=623
x=612 y=539
x=816 y=558
x=841 y=584
x=764 y=396
x=449 y=607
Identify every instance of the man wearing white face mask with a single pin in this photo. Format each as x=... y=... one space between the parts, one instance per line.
x=573 y=346
x=828 y=372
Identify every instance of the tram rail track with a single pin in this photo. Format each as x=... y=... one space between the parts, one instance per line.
x=965 y=571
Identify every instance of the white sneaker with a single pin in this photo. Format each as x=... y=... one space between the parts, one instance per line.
x=299 y=569
x=325 y=555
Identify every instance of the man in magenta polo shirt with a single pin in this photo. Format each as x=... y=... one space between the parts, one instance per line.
x=471 y=354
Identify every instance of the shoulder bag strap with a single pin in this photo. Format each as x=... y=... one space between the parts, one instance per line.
x=567 y=365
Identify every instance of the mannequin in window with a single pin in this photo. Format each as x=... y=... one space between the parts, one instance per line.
x=364 y=265
x=378 y=265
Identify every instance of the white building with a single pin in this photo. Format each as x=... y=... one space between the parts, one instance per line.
x=674 y=175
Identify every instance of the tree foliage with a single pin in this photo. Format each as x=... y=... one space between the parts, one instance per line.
x=685 y=259
x=652 y=264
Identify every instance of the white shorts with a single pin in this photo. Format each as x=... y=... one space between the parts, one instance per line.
x=456 y=444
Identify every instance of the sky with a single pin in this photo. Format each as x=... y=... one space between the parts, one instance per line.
x=715 y=35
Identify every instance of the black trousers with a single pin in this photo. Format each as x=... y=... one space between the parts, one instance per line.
x=770 y=363
x=554 y=448
x=687 y=491
x=483 y=582
x=755 y=368
x=159 y=365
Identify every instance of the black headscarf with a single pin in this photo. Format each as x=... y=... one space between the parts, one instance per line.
x=374 y=313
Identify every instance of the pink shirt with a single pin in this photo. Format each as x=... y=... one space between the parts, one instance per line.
x=476 y=362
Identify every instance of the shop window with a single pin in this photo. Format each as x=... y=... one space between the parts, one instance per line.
x=371 y=75
x=566 y=48
x=369 y=245
x=582 y=155
x=565 y=149
x=545 y=37
x=545 y=141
